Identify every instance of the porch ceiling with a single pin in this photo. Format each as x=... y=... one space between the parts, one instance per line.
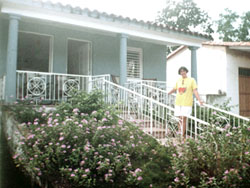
x=85 y=19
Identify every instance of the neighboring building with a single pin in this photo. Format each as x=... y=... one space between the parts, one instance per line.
x=223 y=72
x=45 y=37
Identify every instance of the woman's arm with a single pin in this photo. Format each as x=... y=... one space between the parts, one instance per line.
x=172 y=91
x=198 y=97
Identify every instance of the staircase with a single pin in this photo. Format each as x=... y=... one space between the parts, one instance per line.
x=152 y=116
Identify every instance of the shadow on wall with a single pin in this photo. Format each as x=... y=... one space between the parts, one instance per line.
x=10 y=176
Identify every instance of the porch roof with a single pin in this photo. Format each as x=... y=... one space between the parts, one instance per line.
x=101 y=21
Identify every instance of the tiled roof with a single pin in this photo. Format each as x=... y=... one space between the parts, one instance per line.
x=110 y=17
x=214 y=43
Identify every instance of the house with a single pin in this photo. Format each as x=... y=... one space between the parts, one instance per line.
x=223 y=72
x=41 y=42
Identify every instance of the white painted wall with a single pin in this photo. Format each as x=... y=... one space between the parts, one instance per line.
x=235 y=60
x=183 y=58
x=211 y=68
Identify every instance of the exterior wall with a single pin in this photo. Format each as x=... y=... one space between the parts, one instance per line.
x=211 y=67
x=183 y=58
x=154 y=59
x=3 y=44
x=105 y=50
x=235 y=60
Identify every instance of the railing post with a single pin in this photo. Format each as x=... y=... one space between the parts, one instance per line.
x=151 y=117
x=195 y=115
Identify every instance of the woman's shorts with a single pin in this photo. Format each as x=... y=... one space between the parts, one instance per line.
x=183 y=110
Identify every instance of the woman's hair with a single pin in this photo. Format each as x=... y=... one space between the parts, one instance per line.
x=182 y=69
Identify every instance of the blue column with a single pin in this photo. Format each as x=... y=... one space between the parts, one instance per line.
x=10 y=86
x=123 y=59
x=193 y=62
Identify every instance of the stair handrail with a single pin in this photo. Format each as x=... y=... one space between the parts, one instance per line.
x=211 y=107
x=195 y=122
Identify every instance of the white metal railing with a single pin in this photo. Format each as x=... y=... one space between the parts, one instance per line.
x=207 y=113
x=51 y=86
x=2 y=88
x=156 y=84
x=218 y=116
x=153 y=117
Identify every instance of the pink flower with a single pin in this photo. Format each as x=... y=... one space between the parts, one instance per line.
x=82 y=163
x=139 y=178
x=120 y=122
x=94 y=112
x=63 y=146
x=87 y=170
x=246 y=153
x=84 y=121
x=84 y=175
x=15 y=156
x=61 y=138
x=176 y=179
x=72 y=175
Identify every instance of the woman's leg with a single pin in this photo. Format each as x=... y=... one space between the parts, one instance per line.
x=182 y=126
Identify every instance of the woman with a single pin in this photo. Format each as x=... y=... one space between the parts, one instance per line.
x=185 y=88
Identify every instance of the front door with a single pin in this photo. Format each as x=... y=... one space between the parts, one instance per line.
x=244 y=91
x=78 y=57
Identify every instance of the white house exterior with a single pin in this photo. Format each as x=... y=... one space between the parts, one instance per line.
x=223 y=71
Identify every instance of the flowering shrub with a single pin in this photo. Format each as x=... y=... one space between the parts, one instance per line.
x=218 y=158
x=83 y=143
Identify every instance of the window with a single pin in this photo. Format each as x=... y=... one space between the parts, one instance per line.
x=34 y=52
x=134 y=63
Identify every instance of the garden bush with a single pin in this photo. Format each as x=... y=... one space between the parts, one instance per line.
x=83 y=143
x=218 y=158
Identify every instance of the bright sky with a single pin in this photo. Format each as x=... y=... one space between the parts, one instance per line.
x=147 y=9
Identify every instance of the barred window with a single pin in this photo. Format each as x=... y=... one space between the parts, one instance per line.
x=134 y=63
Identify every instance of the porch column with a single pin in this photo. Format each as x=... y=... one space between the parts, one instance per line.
x=123 y=59
x=10 y=86
x=193 y=62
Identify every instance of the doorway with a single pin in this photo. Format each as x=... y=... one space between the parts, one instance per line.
x=79 y=57
x=244 y=91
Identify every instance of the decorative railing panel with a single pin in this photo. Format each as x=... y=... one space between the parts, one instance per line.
x=51 y=86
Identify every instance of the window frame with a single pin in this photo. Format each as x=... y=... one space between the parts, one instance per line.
x=51 y=46
x=140 y=51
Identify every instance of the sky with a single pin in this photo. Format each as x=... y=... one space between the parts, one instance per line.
x=147 y=10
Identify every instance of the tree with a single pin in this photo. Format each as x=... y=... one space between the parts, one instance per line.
x=185 y=15
x=232 y=27
x=244 y=30
x=226 y=26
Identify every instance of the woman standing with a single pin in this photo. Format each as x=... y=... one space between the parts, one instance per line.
x=185 y=88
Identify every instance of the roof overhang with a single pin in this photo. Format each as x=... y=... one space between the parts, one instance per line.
x=28 y=10
x=241 y=48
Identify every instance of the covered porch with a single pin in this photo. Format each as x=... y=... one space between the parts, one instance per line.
x=62 y=42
